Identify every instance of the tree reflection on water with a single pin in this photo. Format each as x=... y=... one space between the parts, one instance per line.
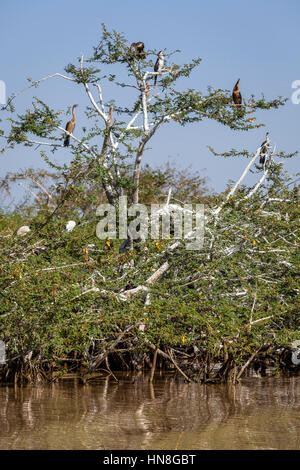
x=168 y=414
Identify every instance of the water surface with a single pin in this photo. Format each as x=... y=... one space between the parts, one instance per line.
x=259 y=413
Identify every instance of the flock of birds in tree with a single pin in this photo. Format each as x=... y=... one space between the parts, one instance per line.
x=137 y=51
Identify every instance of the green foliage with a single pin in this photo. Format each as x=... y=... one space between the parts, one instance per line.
x=60 y=292
x=39 y=122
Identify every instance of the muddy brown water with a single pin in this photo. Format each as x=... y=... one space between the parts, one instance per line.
x=258 y=413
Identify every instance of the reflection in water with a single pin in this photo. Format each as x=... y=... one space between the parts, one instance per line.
x=168 y=414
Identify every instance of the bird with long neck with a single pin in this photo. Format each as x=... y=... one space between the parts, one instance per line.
x=264 y=148
x=236 y=94
x=70 y=126
x=159 y=65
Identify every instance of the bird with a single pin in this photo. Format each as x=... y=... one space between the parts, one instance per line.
x=137 y=48
x=236 y=94
x=264 y=149
x=23 y=230
x=159 y=65
x=70 y=127
x=69 y=226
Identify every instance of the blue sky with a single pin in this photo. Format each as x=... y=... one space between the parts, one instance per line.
x=255 y=41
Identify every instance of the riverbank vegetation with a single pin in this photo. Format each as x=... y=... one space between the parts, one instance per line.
x=73 y=302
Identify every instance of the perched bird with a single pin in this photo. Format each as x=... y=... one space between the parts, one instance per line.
x=264 y=148
x=69 y=226
x=70 y=127
x=236 y=94
x=159 y=65
x=137 y=48
x=23 y=230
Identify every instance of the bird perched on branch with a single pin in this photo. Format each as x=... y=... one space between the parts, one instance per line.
x=159 y=65
x=70 y=126
x=264 y=148
x=236 y=94
x=137 y=48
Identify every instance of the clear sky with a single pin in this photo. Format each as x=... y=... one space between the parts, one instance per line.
x=255 y=41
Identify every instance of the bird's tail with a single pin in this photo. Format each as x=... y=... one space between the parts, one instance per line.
x=155 y=80
x=67 y=141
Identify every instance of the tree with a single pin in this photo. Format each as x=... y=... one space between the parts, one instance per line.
x=118 y=133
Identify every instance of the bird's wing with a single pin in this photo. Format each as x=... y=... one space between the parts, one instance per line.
x=236 y=95
x=263 y=145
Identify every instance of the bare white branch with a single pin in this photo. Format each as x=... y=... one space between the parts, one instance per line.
x=36 y=82
x=259 y=183
x=92 y=100
x=237 y=184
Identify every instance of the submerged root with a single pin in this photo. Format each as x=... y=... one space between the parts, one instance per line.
x=125 y=354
